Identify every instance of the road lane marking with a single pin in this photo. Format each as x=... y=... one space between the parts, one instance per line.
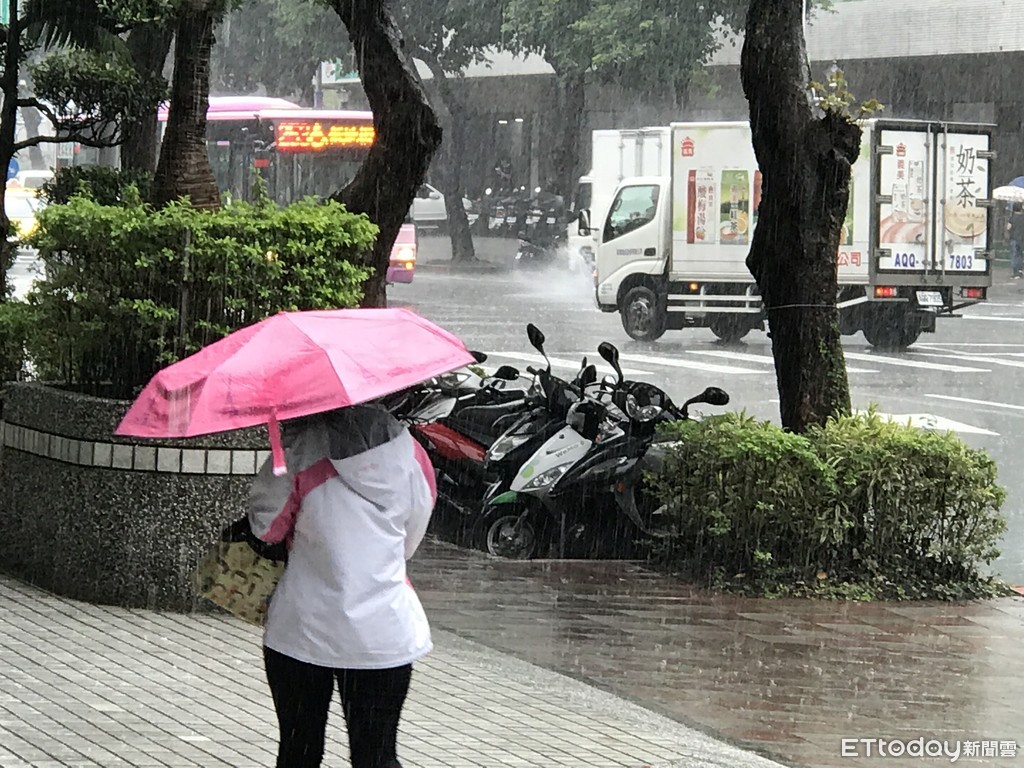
x=974 y=358
x=934 y=423
x=693 y=365
x=764 y=359
x=969 y=344
x=954 y=399
x=882 y=360
x=559 y=362
x=995 y=318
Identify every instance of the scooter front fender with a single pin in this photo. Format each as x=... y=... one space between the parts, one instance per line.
x=508 y=497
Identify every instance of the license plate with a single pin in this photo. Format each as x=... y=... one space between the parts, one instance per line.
x=929 y=298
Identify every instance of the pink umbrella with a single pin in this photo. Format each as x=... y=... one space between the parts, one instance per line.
x=290 y=365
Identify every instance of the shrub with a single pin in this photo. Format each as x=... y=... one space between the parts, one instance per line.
x=14 y=329
x=861 y=508
x=102 y=184
x=130 y=289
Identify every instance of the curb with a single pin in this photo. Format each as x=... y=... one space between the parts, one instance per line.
x=447 y=266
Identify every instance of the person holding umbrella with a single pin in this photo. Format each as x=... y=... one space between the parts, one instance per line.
x=1013 y=195
x=349 y=492
x=1015 y=232
x=354 y=506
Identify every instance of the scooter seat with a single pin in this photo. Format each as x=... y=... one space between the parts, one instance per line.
x=485 y=423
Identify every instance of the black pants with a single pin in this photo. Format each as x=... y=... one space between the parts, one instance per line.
x=371 y=699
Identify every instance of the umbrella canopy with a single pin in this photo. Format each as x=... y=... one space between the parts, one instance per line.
x=1011 y=193
x=290 y=365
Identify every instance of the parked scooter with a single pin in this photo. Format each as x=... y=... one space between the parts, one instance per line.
x=541 y=239
x=456 y=417
x=576 y=495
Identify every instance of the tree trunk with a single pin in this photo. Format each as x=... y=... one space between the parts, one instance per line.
x=805 y=161
x=33 y=125
x=452 y=115
x=184 y=165
x=148 y=45
x=566 y=157
x=8 y=126
x=407 y=130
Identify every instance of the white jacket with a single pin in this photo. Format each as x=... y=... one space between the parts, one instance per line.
x=354 y=507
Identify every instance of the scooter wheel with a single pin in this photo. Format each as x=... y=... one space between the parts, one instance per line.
x=512 y=532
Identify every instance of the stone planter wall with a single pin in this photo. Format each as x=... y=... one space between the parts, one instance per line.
x=112 y=520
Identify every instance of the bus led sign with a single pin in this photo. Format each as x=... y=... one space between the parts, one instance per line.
x=319 y=136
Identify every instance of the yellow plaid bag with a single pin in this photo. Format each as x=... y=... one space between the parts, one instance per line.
x=238 y=579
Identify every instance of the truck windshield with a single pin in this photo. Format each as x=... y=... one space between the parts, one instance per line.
x=633 y=207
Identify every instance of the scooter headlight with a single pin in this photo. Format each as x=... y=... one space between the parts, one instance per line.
x=505 y=446
x=549 y=477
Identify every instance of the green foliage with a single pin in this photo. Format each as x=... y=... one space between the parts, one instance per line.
x=91 y=94
x=862 y=508
x=15 y=323
x=292 y=37
x=834 y=97
x=101 y=184
x=643 y=43
x=130 y=289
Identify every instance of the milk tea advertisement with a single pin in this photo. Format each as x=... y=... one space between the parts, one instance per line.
x=964 y=223
x=902 y=227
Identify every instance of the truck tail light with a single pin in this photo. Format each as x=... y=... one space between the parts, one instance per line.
x=974 y=293
x=885 y=291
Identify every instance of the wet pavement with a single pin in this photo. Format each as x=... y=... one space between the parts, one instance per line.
x=788 y=678
x=85 y=686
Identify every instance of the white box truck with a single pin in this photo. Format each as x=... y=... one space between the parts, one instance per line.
x=615 y=155
x=672 y=247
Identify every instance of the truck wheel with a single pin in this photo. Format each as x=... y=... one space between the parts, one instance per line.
x=891 y=327
x=643 y=317
x=729 y=328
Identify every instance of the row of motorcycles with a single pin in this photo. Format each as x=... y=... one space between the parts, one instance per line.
x=544 y=467
x=537 y=219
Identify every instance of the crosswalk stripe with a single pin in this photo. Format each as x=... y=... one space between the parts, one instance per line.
x=882 y=360
x=1011 y=406
x=976 y=359
x=763 y=359
x=693 y=365
x=562 y=363
x=994 y=317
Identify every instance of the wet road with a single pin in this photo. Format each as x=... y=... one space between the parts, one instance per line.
x=789 y=678
x=968 y=376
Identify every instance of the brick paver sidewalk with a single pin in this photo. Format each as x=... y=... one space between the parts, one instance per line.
x=84 y=685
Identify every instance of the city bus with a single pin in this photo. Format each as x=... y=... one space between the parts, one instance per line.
x=297 y=151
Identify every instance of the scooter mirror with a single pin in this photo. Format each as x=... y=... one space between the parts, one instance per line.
x=536 y=337
x=588 y=376
x=715 y=396
x=611 y=356
x=507 y=372
x=480 y=357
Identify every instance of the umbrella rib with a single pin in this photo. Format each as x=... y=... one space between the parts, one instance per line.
x=323 y=351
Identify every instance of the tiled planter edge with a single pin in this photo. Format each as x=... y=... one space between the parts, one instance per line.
x=111 y=520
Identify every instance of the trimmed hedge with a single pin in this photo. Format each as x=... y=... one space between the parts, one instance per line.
x=863 y=508
x=129 y=289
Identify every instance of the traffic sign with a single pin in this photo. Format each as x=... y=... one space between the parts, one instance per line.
x=13 y=168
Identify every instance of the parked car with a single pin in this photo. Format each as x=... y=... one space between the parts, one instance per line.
x=429 y=210
x=32 y=180
x=21 y=206
x=402 y=266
